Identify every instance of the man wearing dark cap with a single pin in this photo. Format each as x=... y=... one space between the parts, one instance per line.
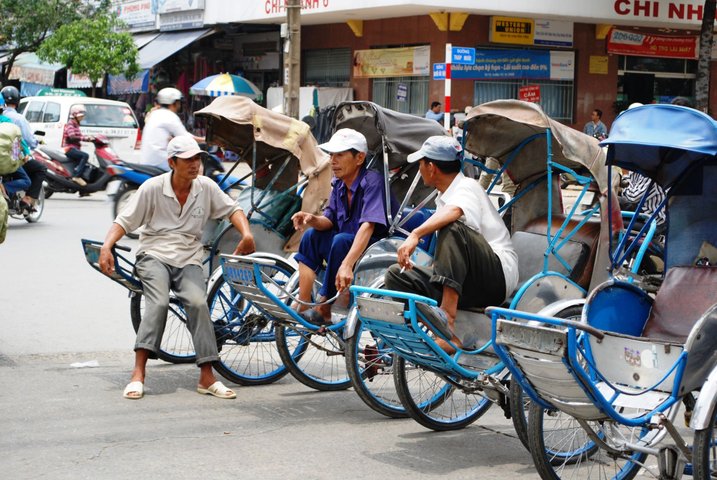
x=173 y=208
x=474 y=264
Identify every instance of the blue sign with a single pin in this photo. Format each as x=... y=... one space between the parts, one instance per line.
x=402 y=92
x=499 y=64
x=463 y=56
x=439 y=71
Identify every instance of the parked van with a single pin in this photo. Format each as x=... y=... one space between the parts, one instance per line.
x=111 y=118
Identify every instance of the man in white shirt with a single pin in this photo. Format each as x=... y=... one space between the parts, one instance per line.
x=174 y=208
x=475 y=264
x=162 y=126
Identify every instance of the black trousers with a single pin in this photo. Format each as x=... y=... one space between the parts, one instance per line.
x=37 y=173
x=464 y=261
x=80 y=157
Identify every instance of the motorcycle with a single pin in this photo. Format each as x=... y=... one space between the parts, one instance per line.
x=131 y=175
x=60 y=169
x=21 y=211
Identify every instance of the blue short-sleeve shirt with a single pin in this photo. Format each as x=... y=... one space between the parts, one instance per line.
x=368 y=204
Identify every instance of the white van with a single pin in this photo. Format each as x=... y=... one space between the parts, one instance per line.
x=111 y=118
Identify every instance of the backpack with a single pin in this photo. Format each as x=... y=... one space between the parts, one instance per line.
x=3 y=218
x=11 y=154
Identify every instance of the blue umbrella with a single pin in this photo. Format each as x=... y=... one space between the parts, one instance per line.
x=225 y=84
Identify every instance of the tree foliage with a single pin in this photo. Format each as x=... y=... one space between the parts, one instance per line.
x=24 y=24
x=92 y=46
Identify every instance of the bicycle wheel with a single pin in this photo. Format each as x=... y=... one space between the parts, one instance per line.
x=433 y=402
x=370 y=366
x=315 y=359
x=704 y=459
x=246 y=339
x=519 y=402
x=176 y=345
x=562 y=449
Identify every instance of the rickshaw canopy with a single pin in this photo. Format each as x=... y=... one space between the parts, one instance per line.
x=495 y=129
x=402 y=133
x=239 y=124
x=661 y=141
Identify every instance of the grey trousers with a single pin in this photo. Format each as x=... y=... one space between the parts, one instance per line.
x=464 y=261
x=189 y=286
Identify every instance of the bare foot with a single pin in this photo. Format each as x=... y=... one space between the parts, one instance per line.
x=447 y=347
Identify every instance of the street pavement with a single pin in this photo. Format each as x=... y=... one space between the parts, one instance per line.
x=65 y=357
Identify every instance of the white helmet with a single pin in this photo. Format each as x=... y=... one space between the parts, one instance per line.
x=169 y=95
x=78 y=109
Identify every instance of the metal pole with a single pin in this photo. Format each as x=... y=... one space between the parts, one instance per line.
x=292 y=58
x=447 y=97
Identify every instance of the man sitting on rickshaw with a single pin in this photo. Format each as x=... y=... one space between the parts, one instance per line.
x=354 y=219
x=474 y=265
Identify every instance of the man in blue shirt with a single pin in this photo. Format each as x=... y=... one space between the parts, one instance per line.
x=434 y=113
x=354 y=218
x=595 y=127
x=34 y=169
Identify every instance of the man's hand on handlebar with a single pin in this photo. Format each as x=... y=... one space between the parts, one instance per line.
x=107 y=261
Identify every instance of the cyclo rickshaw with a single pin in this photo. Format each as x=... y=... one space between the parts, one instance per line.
x=561 y=256
x=314 y=355
x=606 y=386
x=288 y=172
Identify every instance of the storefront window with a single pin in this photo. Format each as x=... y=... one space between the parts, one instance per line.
x=556 y=97
x=329 y=67
x=654 y=80
x=403 y=94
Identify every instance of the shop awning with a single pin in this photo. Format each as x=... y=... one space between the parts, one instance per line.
x=142 y=39
x=168 y=43
x=28 y=68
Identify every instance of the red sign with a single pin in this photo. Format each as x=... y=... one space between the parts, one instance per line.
x=529 y=93
x=664 y=46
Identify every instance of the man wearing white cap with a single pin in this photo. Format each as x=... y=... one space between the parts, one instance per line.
x=474 y=264
x=173 y=208
x=354 y=218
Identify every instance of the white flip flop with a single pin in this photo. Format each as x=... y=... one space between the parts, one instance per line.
x=217 y=389
x=136 y=387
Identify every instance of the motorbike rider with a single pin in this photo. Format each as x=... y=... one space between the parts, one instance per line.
x=18 y=180
x=161 y=127
x=34 y=169
x=71 y=138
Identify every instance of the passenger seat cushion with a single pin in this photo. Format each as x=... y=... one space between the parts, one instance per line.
x=685 y=295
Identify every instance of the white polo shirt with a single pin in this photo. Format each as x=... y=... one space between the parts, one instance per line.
x=173 y=233
x=162 y=126
x=480 y=215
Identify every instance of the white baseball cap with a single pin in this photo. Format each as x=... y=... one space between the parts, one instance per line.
x=183 y=147
x=440 y=148
x=345 y=139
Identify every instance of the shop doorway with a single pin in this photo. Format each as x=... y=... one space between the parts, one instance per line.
x=639 y=87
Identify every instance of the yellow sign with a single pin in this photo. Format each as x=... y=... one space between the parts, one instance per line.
x=598 y=64
x=392 y=62
x=518 y=31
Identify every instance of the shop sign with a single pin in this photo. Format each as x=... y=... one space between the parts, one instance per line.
x=392 y=62
x=439 y=71
x=553 y=33
x=517 y=64
x=170 y=6
x=529 y=93
x=598 y=64
x=136 y=14
x=181 y=20
x=663 y=46
x=517 y=31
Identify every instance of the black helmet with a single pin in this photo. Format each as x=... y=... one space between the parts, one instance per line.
x=11 y=95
